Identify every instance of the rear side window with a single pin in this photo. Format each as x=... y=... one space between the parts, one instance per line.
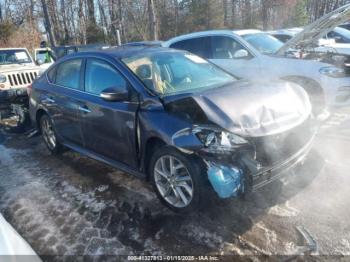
x=68 y=74
x=100 y=75
x=224 y=47
x=283 y=38
x=199 y=46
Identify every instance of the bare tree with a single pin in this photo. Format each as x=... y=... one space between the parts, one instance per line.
x=153 y=23
x=48 y=23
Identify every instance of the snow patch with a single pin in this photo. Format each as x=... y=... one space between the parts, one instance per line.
x=284 y=211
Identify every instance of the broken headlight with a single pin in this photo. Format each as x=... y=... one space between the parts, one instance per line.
x=216 y=140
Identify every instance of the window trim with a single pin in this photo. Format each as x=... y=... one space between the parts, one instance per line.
x=110 y=64
x=234 y=39
x=210 y=55
x=252 y=51
x=59 y=64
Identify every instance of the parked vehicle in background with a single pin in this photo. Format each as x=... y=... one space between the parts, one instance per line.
x=144 y=43
x=255 y=54
x=44 y=57
x=173 y=118
x=336 y=41
x=346 y=25
x=61 y=51
x=17 y=72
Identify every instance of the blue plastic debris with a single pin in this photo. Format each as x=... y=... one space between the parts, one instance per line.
x=226 y=181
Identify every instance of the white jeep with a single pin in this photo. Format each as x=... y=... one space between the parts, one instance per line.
x=17 y=72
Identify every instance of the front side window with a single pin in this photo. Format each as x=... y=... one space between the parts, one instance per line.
x=68 y=74
x=169 y=73
x=100 y=75
x=15 y=56
x=199 y=46
x=224 y=47
x=264 y=43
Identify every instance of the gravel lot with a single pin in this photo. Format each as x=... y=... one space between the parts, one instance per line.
x=72 y=205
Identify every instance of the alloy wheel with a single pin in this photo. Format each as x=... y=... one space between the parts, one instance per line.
x=48 y=133
x=173 y=181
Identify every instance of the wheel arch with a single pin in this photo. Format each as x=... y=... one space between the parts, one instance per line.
x=312 y=87
x=151 y=145
x=38 y=116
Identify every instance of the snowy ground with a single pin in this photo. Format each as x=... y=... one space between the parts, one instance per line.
x=71 y=205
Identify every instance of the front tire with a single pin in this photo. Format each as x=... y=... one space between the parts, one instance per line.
x=178 y=179
x=49 y=135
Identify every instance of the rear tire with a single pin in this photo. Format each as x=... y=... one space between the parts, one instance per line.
x=179 y=180
x=49 y=135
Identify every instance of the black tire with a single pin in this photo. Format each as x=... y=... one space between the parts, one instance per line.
x=55 y=148
x=195 y=169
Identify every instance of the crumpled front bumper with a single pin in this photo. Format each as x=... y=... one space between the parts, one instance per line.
x=269 y=174
x=248 y=174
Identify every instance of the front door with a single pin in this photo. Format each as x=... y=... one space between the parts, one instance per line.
x=227 y=54
x=108 y=127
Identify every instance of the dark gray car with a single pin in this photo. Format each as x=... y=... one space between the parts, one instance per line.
x=173 y=118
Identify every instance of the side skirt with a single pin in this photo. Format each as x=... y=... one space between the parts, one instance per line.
x=108 y=161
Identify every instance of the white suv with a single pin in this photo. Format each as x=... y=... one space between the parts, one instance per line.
x=17 y=72
x=253 y=54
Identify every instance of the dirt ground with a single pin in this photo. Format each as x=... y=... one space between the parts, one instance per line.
x=72 y=205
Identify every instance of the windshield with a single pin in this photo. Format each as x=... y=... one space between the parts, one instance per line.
x=176 y=72
x=265 y=43
x=17 y=56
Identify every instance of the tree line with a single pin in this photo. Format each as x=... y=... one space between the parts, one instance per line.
x=24 y=22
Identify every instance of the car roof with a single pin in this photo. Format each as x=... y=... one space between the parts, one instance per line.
x=121 y=52
x=197 y=34
x=288 y=31
x=144 y=43
x=212 y=32
x=247 y=32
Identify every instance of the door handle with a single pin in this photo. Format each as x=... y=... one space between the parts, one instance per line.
x=84 y=109
x=49 y=100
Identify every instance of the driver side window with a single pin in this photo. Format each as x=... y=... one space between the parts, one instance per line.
x=100 y=75
x=224 y=47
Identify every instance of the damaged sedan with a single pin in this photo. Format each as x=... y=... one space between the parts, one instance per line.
x=175 y=119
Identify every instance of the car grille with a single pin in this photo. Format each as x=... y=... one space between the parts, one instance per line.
x=273 y=149
x=22 y=78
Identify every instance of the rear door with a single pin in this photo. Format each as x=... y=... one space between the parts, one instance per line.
x=108 y=127
x=61 y=99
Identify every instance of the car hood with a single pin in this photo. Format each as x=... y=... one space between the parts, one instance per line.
x=316 y=30
x=245 y=108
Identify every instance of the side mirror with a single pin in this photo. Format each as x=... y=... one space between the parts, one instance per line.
x=113 y=94
x=40 y=62
x=241 y=53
